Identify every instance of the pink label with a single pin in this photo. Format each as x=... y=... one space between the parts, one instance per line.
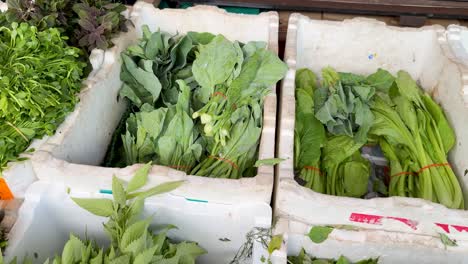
x=377 y=219
x=446 y=228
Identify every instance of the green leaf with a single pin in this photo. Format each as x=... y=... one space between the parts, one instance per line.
x=214 y=64
x=342 y=260
x=382 y=80
x=306 y=80
x=98 y=259
x=162 y=188
x=268 y=162
x=133 y=232
x=145 y=256
x=447 y=241
x=318 y=234
x=275 y=243
x=118 y=191
x=99 y=207
x=140 y=178
x=124 y=259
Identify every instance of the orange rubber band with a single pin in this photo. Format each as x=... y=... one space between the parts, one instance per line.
x=179 y=167
x=220 y=94
x=313 y=169
x=225 y=160
x=422 y=169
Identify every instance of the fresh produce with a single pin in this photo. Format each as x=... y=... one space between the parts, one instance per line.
x=331 y=163
x=309 y=133
x=39 y=78
x=416 y=138
x=393 y=112
x=232 y=118
x=88 y=23
x=131 y=239
x=197 y=101
x=304 y=258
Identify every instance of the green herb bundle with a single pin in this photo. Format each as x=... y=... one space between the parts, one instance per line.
x=416 y=138
x=309 y=133
x=232 y=118
x=131 y=239
x=89 y=24
x=40 y=76
x=395 y=113
x=198 y=102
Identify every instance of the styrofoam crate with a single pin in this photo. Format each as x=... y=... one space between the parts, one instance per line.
x=72 y=158
x=19 y=175
x=388 y=246
x=48 y=216
x=346 y=46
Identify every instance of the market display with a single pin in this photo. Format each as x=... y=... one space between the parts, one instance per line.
x=304 y=258
x=380 y=109
x=196 y=103
x=131 y=239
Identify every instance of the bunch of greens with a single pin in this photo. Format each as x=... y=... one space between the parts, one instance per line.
x=198 y=99
x=88 y=23
x=331 y=163
x=309 y=133
x=342 y=104
x=39 y=78
x=232 y=117
x=164 y=135
x=395 y=113
x=416 y=138
x=347 y=172
x=303 y=258
x=131 y=240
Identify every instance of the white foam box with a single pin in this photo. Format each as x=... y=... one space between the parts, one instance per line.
x=392 y=227
x=20 y=174
x=48 y=216
x=201 y=205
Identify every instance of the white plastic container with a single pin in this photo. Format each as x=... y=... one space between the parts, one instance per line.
x=48 y=216
x=430 y=55
x=72 y=158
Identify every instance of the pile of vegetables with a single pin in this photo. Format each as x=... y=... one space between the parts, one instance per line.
x=88 y=24
x=43 y=51
x=304 y=258
x=131 y=239
x=196 y=103
x=335 y=119
x=40 y=75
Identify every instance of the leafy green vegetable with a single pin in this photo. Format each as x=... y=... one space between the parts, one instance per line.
x=232 y=118
x=395 y=113
x=344 y=106
x=88 y=23
x=268 y=162
x=447 y=241
x=304 y=258
x=275 y=243
x=39 y=78
x=416 y=137
x=318 y=234
x=309 y=133
x=197 y=101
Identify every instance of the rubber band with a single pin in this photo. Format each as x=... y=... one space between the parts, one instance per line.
x=313 y=169
x=220 y=94
x=422 y=169
x=225 y=160
x=179 y=167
